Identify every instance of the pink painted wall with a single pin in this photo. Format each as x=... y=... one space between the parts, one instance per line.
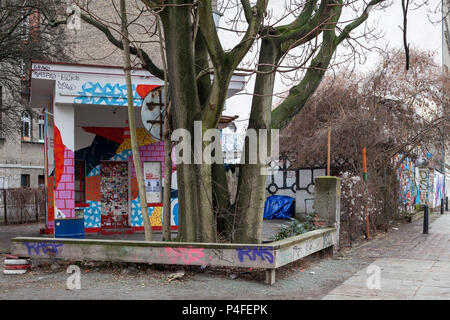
x=152 y=152
x=65 y=191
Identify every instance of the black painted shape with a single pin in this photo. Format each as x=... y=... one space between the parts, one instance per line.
x=100 y=149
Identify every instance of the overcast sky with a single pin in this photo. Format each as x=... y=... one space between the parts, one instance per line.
x=422 y=34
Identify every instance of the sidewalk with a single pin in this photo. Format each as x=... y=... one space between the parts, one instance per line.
x=412 y=265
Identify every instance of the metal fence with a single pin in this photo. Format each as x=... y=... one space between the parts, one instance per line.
x=22 y=205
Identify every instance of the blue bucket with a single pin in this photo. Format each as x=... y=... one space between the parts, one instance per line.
x=69 y=228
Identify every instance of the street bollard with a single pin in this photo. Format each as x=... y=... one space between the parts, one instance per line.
x=446 y=203
x=442 y=206
x=425 y=219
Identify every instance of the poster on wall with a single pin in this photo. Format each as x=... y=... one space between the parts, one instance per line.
x=152 y=175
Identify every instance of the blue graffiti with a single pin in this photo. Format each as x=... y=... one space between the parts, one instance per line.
x=106 y=94
x=45 y=247
x=253 y=252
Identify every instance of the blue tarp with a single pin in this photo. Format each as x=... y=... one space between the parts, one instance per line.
x=278 y=207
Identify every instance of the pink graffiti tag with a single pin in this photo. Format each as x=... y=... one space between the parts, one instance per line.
x=185 y=255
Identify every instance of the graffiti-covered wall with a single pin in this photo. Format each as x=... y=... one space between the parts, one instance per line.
x=407 y=181
x=438 y=189
x=109 y=145
x=420 y=185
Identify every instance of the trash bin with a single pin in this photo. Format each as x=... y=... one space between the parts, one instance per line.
x=279 y=207
x=69 y=228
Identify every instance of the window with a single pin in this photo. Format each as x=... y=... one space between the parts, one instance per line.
x=80 y=181
x=26 y=126
x=41 y=181
x=25 y=180
x=41 y=128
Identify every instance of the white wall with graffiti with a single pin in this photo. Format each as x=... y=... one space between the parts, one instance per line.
x=420 y=184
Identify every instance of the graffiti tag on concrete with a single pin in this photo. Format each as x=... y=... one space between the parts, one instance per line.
x=44 y=247
x=185 y=255
x=252 y=253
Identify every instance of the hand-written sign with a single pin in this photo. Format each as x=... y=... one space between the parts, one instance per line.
x=252 y=253
x=64 y=81
x=51 y=75
x=44 y=247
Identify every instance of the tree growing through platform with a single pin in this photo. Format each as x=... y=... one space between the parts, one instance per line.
x=301 y=38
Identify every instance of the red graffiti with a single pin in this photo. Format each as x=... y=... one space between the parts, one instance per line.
x=144 y=89
x=185 y=255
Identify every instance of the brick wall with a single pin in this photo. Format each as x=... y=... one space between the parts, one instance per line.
x=65 y=191
x=152 y=152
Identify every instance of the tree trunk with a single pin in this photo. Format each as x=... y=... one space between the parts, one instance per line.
x=196 y=219
x=131 y=123
x=252 y=183
x=221 y=201
x=167 y=207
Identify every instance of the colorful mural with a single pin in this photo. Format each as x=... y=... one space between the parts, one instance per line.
x=110 y=145
x=111 y=94
x=406 y=178
x=420 y=185
x=64 y=184
x=106 y=94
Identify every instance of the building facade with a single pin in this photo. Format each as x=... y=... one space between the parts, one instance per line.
x=88 y=159
x=22 y=152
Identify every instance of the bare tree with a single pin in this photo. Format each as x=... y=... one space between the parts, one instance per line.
x=301 y=38
x=394 y=113
x=24 y=37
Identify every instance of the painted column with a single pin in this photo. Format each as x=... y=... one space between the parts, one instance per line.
x=64 y=146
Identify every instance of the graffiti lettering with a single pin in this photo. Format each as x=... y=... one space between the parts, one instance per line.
x=423 y=186
x=44 y=74
x=253 y=252
x=45 y=247
x=65 y=86
x=69 y=77
x=186 y=255
x=41 y=67
x=218 y=253
x=327 y=240
x=298 y=252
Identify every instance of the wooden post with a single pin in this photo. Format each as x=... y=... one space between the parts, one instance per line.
x=365 y=181
x=132 y=124
x=4 y=206
x=364 y=164
x=329 y=152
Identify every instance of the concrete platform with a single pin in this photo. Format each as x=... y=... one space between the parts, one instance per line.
x=269 y=256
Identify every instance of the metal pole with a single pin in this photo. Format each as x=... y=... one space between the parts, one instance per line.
x=36 y=208
x=425 y=219
x=4 y=206
x=446 y=203
x=442 y=206
x=329 y=153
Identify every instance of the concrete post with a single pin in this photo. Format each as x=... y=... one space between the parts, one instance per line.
x=327 y=203
x=270 y=276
